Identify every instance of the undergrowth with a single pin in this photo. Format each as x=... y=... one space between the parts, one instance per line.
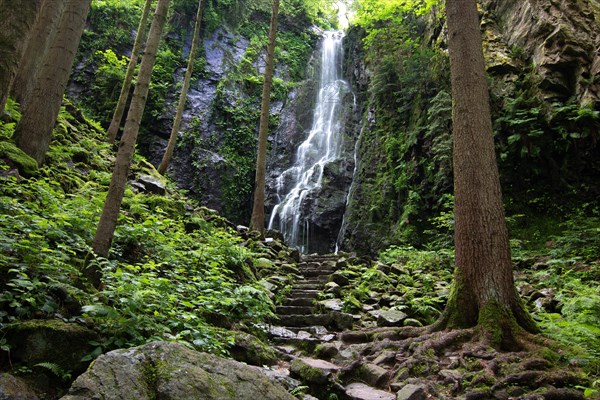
x=176 y=270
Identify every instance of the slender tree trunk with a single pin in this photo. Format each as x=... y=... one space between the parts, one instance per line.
x=34 y=132
x=112 y=204
x=42 y=36
x=162 y=168
x=17 y=18
x=257 y=222
x=113 y=129
x=484 y=292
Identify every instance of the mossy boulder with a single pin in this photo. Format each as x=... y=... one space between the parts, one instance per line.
x=251 y=350
x=13 y=388
x=169 y=371
x=37 y=341
x=10 y=152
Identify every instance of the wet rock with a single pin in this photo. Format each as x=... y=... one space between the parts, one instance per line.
x=172 y=371
x=412 y=392
x=360 y=391
x=13 y=388
x=390 y=317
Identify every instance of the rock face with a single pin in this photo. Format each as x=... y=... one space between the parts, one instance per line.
x=543 y=52
x=562 y=39
x=172 y=371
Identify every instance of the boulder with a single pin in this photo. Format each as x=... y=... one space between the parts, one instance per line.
x=152 y=184
x=390 y=317
x=373 y=374
x=54 y=341
x=172 y=371
x=249 y=349
x=313 y=371
x=13 y=388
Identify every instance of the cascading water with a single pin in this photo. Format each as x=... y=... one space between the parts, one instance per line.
x=322 y=146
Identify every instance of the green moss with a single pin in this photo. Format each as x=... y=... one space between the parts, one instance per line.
x=27 y=165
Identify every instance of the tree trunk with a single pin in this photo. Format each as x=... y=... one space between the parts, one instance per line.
x=17 y=18
x=113 y=129
x=257 y=222
x=34 y=132
x=42 y=36
x=162 y=168
x=112 y=204
x=484 y=292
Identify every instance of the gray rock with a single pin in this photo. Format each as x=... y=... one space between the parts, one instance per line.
x=312 y=370
x=360 y=391
x=13 y=388
x=332 y=304
x=373 y=374
x=451 y=375
x=152 y=184
x=412 y=392
x=172 y=371
x=390 y=317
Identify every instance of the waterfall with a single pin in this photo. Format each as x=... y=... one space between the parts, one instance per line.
x=322 y=146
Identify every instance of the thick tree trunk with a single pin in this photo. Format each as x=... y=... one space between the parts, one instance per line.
x=17 y=18
x=34 y=132
x=257 y=222
x=112 y=204
x=113 y=129
x=42 y=36
x=162 y=168
x=484 y=292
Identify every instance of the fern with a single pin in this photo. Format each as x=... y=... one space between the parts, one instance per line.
x=55 y=369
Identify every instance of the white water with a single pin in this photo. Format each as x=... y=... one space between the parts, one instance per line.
x=322 y=146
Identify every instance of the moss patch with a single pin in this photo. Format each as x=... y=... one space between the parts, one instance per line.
x=27 y=165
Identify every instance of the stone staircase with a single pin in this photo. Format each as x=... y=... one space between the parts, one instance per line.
x=304 y=324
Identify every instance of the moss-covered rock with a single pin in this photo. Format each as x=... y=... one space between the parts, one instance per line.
x=27 y=165
x=54 y=341
x=162 y=370
x=13 y=388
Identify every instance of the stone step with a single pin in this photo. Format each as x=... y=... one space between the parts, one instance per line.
x=317 y=273
x=304 y=293
x=332 y=320
x=308 y=285
x=289 y=310
x=299 y=301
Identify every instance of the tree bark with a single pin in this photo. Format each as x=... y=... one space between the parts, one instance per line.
x=42 y=36
x=257 y=222
x=484 y=292
x=113 y=129
x=162 y=168
x=17 y=18
x=34 y=132
x=112 y=204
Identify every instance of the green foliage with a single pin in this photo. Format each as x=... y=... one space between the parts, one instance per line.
x=171 y=275
x=420 y=277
